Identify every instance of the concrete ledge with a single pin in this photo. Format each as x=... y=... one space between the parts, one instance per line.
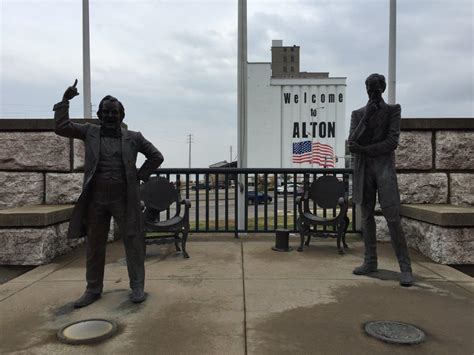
x=35 y=124
x=38 y=124
x=440 y=214
x=35 y=216
x=437 y=124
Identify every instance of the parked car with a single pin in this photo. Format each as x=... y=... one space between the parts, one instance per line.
x=221 y=184
x=201 y=185
x=258 y=198
x=290 y=188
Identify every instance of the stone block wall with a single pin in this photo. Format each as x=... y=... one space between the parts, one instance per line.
x=435 y=165
x=62 y=188
x=39 y=167
x=415 y=150
x=423 y=188
x=445 y=245
x=34 y=151
x=36 y=165
x=462 y=189
x=35 y=246
x=21 y=188
x=435 y=161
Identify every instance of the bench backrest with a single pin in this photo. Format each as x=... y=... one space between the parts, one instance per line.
x=159 y=194
x=326 y=191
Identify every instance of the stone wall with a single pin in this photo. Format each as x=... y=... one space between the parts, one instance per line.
x=21 y=188
x=445 y=245
x=435 y=161
x=36 y=165
x=62 y=188
x=35 y=246
x=435 y=165
x=39 y=245
x=39 y=167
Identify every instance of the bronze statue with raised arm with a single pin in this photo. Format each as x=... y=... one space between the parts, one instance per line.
x=110 y=189
x=373 y=138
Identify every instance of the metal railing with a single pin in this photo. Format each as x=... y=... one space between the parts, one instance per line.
x=268 y=195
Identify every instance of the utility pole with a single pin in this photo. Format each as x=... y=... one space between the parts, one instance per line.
x=230 y=160
x=86 y=60
x=190 y=141
x=241 y=107
x=392 y=53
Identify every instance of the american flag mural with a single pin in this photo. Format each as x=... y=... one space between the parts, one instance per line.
x=315 y=153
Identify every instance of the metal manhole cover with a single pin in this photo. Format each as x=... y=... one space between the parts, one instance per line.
x=395 y=332
x=87 y=331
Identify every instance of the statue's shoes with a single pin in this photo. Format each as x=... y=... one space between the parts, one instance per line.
x=365 y=269
x=86 y=299
x=137 y=295
x=406 y=278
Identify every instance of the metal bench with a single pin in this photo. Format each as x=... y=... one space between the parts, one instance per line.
x=159 y=195
x=326 y=192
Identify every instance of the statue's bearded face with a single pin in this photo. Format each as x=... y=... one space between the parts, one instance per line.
x=374 y=90
x=110 y=114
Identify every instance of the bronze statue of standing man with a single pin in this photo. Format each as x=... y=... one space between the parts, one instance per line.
x=373 y=138
x=110 y=189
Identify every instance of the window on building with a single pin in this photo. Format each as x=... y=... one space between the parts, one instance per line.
x=292 y=58
x=292 y=49
x=284 y=49
x=284 y=58
x=284 y=69
x=292 y=69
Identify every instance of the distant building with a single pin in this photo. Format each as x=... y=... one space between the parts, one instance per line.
x=224 y=164
x=285 y=60
x=294 y=118
x=231 y=178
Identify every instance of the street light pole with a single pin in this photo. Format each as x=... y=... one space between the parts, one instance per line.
x=190 y=141
x=242 y=107
x=392 y=53
x=86 y=60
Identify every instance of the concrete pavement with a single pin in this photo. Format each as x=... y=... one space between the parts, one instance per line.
x=237 y=296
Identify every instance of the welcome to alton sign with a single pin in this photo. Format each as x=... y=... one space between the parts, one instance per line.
x=294 y=122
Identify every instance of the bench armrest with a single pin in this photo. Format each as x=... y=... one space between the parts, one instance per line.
x=187 y=205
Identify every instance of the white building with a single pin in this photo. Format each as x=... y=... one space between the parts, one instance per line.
x=294 y=119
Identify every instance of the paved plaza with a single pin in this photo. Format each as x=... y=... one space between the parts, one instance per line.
x=237 y=296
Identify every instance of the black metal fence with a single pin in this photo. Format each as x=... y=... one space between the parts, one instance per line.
x=268 y=196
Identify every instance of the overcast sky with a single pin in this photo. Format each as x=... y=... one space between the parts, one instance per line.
x=173 y=63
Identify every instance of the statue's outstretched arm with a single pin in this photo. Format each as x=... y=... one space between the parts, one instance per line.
x=63 y=126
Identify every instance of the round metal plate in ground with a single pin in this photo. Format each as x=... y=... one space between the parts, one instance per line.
x=395 y=332
x=87 y=331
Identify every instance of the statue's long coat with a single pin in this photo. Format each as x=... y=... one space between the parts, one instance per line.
x=381 y=153
x=132 y=143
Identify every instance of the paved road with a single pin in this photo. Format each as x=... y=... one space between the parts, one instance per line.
x=231 y=208
x=231 y=205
